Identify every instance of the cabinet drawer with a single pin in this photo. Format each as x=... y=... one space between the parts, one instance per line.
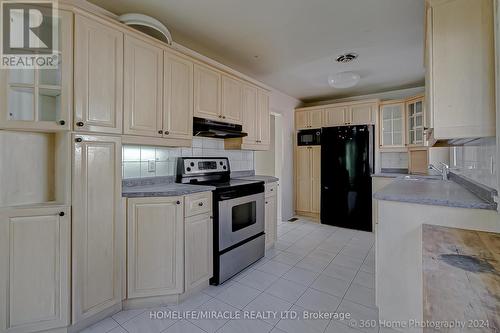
x=198 y=203
x=271 y=189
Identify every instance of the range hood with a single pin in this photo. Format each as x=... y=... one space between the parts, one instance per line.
x=216 y=129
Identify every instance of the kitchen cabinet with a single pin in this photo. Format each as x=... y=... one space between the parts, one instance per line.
x=98 y=227
x=392 y=125
x=308 y=119
x=198 y=249
x=416 y=120
x=34 y=269
x=98 y=76
x=461 y=88
x=308 y=180
x=177 y=97
x=263 y=122
x=250 y=116
x=231 y=100
x=155 y=233
x=361 y=114
x=207 y=93
x=41 y=99
x=271 y=214
x=335 y=116
x=143 y=73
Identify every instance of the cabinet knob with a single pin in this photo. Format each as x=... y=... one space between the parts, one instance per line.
x=200 y=204
x=61 y=214
x=220 y=116
x=80 y=124
x=267 y=202
x=178 y=202
x=62 y=122
x=160 y=132
x=223 y=117
x=272 y=189
x=167 y=132
x=78 y=140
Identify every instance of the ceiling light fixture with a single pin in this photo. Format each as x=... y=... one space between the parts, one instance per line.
x=343 y=80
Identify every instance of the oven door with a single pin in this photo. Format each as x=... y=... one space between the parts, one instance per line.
x=239 y=219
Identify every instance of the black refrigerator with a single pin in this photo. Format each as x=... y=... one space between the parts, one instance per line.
x=347 y=162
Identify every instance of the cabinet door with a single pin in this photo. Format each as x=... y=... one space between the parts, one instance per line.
x=301 y=120
x=98 y=76
x=303 y=179
x=271 y=212
x=41 y=99
x=207 y=93
x=416 y=121
x=198 y=250
x=155 y=246
x=392 y=119
x=143 y=108
x=97 y=225
x=231 y=100
x=335 y=116
x=315 y=159
x=178 y=97
x=34 y=269
x=264 y=118
x=250 y=116
x=361 y=114
x=316 y=118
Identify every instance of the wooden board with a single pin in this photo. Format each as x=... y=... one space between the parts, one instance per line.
x=461 y=278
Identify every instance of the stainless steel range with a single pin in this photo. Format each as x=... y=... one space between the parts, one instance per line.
x=238 y=209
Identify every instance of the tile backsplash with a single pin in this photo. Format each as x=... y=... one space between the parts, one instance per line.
x=476 y=162
x=148 y=161
x=394 y=160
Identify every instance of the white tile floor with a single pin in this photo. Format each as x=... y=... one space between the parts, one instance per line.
x=313 y=267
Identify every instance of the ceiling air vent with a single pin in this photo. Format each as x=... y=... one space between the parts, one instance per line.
x=347 y=57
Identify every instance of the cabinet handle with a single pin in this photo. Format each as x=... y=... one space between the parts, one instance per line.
x=200 y=204
x=223 y=117
x=78 y=140
x=167 y=132
x=272 y=189
x=61 y=214
x=80 y=124
x=267 y=202
x=160 y=132
x=220 y=116
x=178 y=202
x=62 y=122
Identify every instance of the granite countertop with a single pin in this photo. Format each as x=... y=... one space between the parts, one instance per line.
x=432 y=191
x=461 y=277
x=388 y=174
x=159 y=187
x=265 y=179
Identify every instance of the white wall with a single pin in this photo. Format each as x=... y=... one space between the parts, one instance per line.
x=285 y=105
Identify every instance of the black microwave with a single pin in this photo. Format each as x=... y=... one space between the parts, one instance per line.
x=310 y=137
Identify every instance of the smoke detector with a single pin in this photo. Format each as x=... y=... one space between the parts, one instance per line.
x=346 y=57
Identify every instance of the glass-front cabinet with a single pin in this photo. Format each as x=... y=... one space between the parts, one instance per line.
x=416 y=121
x=392 y=119
x=40 y=99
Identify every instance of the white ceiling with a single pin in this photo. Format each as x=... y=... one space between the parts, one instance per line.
x=290 y=44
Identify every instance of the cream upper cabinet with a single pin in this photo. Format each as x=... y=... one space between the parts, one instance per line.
x=41 y=99
x=98 y=227
x=98 y=76
x=303 y=186
x=249 y=113
x=416 y=121
x=308 y=119
x=335 y=116
x=207 y=93
x=315 y=158
x=34 y=269
x=143 y=108
x=264 y=118
x=361 y=114
x=231 y=100
x=461 y=68
x=198 y=250
x=392 y=125
x=155 y=246
x=177 y=97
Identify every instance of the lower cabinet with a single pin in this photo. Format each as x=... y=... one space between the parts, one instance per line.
x=308 y=180
x=155 y=229
x=198 y=250
x=34 y=269
x=98 y=244
x=271 y=219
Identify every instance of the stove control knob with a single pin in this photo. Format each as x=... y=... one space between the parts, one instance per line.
x=224 y=167
x=188 y=169
x=191 y=164
x=221 y=163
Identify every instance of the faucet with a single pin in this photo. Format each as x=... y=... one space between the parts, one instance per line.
x=443 y=171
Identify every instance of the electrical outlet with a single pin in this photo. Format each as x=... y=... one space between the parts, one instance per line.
x=151 y=166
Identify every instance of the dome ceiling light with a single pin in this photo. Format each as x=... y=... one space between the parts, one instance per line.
x=343 y=80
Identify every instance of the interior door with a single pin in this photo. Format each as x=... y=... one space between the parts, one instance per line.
x=178 y=97
x=98 y=80
x=143 y=110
